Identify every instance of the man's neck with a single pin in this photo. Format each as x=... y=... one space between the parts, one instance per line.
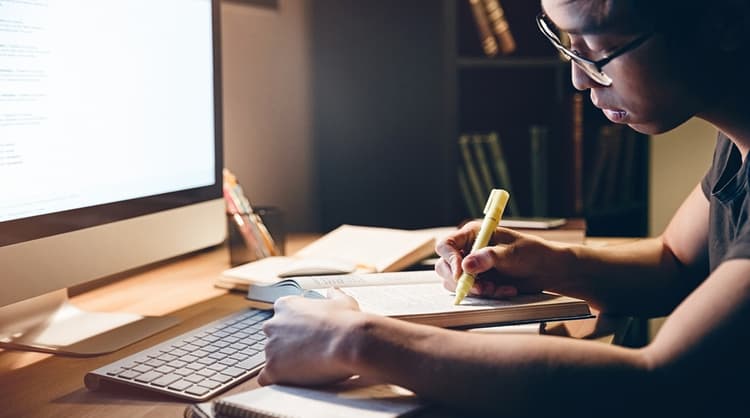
x=730 y=115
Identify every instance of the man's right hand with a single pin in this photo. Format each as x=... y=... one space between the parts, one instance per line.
x=513 y=262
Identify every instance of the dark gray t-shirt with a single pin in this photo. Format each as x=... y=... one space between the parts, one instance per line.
x=727 y=188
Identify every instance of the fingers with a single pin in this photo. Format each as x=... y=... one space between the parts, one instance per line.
x=459 y=240
x=334 y=293
x=480 y=261
x=264 y=379
x=505 y=236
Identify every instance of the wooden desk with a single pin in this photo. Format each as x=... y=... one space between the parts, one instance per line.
x=41 y=385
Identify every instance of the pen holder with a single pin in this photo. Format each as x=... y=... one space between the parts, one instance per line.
x=273 y=218
x=246 y=235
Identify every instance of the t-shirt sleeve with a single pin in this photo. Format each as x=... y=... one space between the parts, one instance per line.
x=722 y=149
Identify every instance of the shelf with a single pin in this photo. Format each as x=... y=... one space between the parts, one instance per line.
x=511 y=62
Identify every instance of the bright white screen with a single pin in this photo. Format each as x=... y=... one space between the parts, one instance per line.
x=103 y=101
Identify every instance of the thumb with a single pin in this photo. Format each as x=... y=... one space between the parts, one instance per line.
x=479 y=261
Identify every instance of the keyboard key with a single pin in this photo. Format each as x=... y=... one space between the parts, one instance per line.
x=167 y=357
x=195 y=366
x=210 y=384
x=155 y=362
x=189 y=358
x=184 y=371
x=115 y=372
x=222 y=378
x=200 y=353
x=217 y=367
x=179 y=352
x=128 y=374
x=165 y=369
x=239 y=346
x=197 y=390
x=229 y=361
x=194 y=378
x=234 y=371
x=177 y=364
x=252 y=361
x=166 y=380
x=180 y=386
x=142 y=368
x=148 y=377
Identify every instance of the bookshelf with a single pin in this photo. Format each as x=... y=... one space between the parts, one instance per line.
x=395 y=84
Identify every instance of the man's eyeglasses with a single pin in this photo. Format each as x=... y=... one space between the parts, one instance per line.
x=593 y=69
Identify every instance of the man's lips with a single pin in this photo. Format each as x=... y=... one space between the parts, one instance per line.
x=615 y=115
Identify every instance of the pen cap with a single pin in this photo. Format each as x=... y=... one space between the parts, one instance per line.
x=496 y=203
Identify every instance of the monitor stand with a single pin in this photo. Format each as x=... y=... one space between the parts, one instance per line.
x=50 y=323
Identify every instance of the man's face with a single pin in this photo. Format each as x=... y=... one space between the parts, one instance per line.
x=650 y=91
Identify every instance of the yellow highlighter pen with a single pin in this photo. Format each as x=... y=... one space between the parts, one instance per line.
x=493 y=211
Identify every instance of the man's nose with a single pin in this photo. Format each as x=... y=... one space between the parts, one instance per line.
x=581 y=81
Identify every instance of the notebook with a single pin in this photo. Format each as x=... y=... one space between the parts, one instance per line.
x=352 y=398
x=419 y=296
x=347 y=249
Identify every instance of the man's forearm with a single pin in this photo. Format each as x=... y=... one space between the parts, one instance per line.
x=520 y=374
x=640 y=278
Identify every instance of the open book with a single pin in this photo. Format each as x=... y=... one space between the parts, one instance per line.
x=346 y=249
x=419 y=296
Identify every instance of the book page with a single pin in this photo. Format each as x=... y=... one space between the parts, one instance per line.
x=428 y=298
x=359 y=280
x=373 y=248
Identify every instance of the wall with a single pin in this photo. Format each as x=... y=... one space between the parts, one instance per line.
x=679 y=159
x=267 y=117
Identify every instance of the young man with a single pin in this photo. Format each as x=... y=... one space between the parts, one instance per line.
x=650 y=65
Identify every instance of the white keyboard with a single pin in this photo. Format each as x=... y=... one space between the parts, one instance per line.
x=198 y=364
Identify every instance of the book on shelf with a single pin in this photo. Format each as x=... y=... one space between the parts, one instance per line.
x=501 y=170
x=478 y=192
x=488 y=183
x=483 y=168
x=346 y=249
x=419 y=297
x=466 y=193
x=354 y=397
x=500 y=27
x=538 y=170
x=484 y=28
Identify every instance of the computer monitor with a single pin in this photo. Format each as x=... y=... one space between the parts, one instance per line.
x=110 y=157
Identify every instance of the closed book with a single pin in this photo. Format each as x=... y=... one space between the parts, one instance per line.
x=419 y=297
x=484 y=30
x=472 y=173
x=499 y=23
x=538 y=164
x=501 y=170
x=351 y=398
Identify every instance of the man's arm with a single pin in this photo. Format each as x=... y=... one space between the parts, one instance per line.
x=695 y=365
x=650 y=276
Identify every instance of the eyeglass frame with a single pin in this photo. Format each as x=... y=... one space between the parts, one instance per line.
x=586 y=64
